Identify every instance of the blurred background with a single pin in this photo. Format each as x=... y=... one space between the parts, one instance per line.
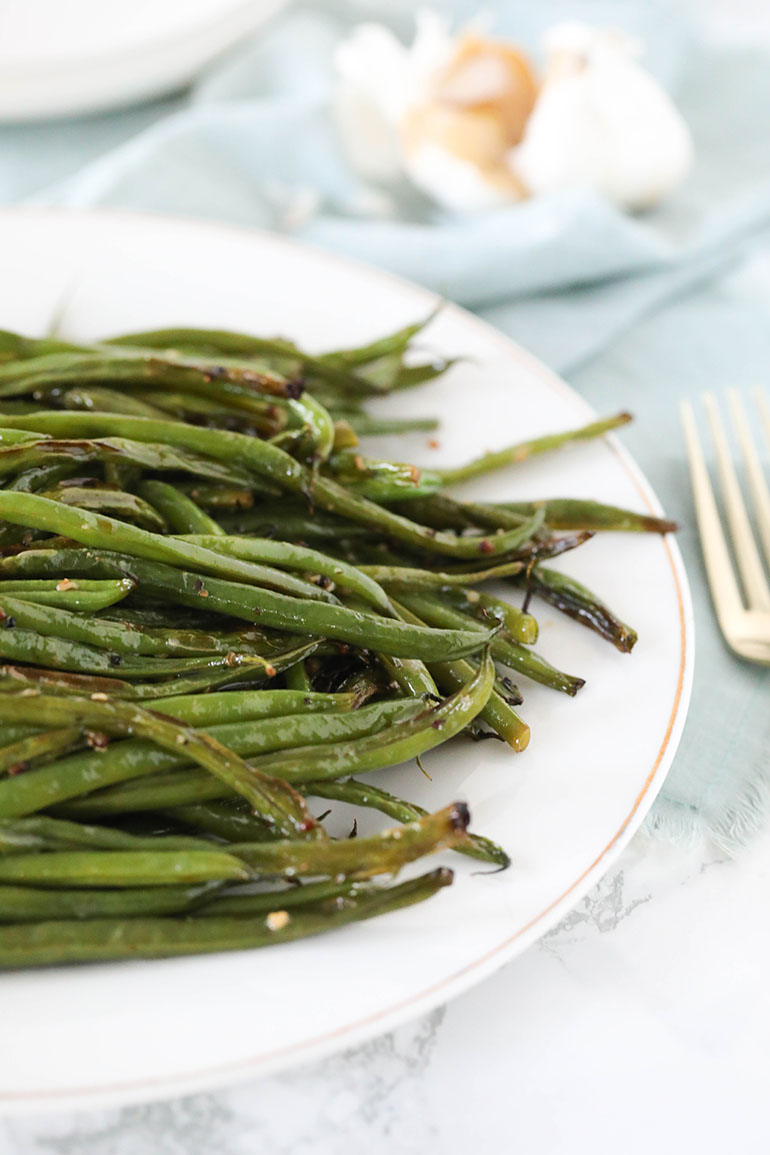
x=633 y=147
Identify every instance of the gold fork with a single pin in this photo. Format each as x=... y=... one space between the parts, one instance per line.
x=744 y=618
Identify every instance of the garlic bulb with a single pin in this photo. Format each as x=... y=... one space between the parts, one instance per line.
x=377 y=80
x=602 y=121
x=444 y=113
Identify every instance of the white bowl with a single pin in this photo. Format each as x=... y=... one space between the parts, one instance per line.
x=65 y=57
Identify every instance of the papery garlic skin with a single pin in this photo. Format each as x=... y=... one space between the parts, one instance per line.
x=377 y=80
x=601 y=121
x=456 y=184
x=456 y=143
x=444 y=112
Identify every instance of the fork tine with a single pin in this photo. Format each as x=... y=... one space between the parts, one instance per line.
x=760 y=494
x=746 y=552
x=724 y=588
x=764 y=410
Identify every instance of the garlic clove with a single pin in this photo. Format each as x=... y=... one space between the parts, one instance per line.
x=377 y=80
x=601 y=121
x=457 y=157
x=456 y=143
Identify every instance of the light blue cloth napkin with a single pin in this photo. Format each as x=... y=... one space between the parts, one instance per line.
x=635 y=310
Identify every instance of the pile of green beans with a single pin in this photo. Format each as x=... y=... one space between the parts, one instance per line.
x=216 y=611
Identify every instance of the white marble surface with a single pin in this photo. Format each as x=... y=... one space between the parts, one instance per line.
x=640 y=1023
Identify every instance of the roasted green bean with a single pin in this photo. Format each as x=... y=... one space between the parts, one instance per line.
x=110 y=939
x=187 y=519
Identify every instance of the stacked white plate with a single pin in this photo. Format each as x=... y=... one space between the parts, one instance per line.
x=65 y=57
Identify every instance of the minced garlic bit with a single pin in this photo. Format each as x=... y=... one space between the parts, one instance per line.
x=278 y=919
x=66 y=584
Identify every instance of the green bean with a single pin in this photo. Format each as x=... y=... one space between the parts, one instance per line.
x=277 y=802
x=577 y=602
x=514 y=454
x=218 y=787
x=20 y=904
x=81 y=595
x=18 y=756
x=11 y=733
x=382 y=480
x=521 y=626
x=58 y=653
x=271 y=462
x=15 y=347
x=11 y=438
x=331 y=496
x=141 y=778
x=178 y=510
x=297 y=557
x=399 y=743
x=221 y=819
x=572 y=513
x=297 y=678
x=443 y=511
x=240 y=345
x=128 y=366
x=250 y=705
x=45 y=451
x=66 y=683
x=226 y=404
x=550 y=547
x=99 y=869
x=345 y=436
x=39 y=477
x=45 y=562
x=412 y=676
x=101 y=400
x=136 y=790
x=125 y=638
x=219 y=497
x=293 y=525
x=49 y=833
x=110 y=501
x=104 y=532
x=135 y=759
x=16 y=408
x=318 y=441
x=363 y=794
x=299 y=615
x=288 y=898
x=110 y=939
x=497 y=712
x=365 y=682
x=384 y=853
x=414 y=578
x=263 y=419
x=366 y=425
x=382 y=347
x=504 y=649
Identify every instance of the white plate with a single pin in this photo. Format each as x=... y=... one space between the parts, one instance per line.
x=132 y=1031
x=67 y=57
